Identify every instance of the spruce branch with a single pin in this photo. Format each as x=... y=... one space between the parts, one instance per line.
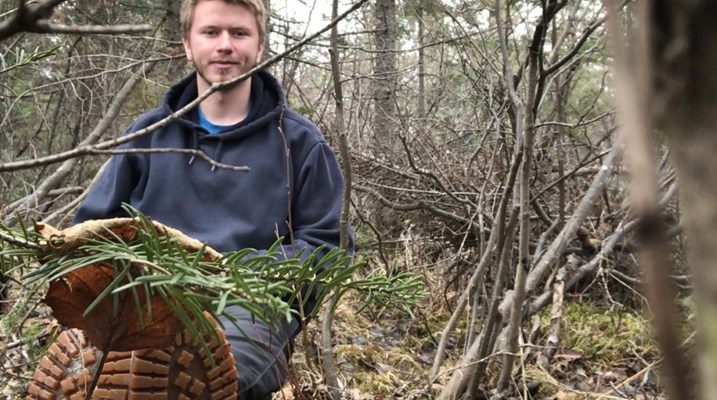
x=23 y=59
x=151 y=276
x=147 y=261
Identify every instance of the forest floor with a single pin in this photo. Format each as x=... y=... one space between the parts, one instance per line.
x=604 y=352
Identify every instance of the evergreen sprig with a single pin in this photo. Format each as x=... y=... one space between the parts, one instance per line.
x=265 y=283
x=18 y=248
x=23 y=58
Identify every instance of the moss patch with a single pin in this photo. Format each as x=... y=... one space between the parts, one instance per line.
x=601 y=334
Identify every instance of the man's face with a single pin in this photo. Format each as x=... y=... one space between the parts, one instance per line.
x=223 y=42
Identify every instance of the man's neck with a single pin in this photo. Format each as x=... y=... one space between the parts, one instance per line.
x=226 y=107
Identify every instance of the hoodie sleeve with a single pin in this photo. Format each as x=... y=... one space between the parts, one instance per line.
x=114 y=187
x=316 y=209
x=317 y=197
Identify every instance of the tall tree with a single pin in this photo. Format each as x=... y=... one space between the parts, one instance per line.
x=384 y=75
x=171 y=29
x=665 y=83
x=267 y=34
x=421 y=60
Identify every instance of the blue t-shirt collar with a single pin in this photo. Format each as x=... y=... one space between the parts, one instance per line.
x=214 y=128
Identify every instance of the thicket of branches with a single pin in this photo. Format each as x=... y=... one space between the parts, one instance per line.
x=483 y=139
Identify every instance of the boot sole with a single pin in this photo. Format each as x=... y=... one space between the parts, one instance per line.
x=66 y=369
x=180 y=372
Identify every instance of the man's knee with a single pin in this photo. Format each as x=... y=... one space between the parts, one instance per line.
x=260 y=352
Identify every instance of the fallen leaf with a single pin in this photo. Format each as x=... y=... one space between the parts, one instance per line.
x=71 y=295
x=564 y=396
x=114 y=323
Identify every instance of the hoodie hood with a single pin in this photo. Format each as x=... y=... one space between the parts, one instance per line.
x=267 y=99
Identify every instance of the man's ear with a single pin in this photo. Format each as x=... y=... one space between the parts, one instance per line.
x=260 y=53
x=187 y=48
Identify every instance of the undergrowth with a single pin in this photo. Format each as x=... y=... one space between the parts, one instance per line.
x=386 y=353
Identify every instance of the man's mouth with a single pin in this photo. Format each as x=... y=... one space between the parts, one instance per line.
x=223 y=63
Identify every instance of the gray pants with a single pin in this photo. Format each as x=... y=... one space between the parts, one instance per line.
x=260 y=352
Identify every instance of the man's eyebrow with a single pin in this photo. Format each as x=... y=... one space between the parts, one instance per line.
x=242 y=28
x=229 y=26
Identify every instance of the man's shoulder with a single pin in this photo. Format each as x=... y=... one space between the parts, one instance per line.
x=300 y=125
x=148 y=118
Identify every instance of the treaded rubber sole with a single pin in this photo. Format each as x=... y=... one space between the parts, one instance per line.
x=66 y=369
x=180 y=372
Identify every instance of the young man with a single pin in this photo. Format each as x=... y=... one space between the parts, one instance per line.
x=293 y=190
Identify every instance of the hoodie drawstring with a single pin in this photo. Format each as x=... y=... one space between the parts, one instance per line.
x=195 y=146
x=217 y=153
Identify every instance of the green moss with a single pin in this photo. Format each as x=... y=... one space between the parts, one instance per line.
x=364 y=237
x=378 y=370
x=602 y=334
x=35 y=351
x=379 y=384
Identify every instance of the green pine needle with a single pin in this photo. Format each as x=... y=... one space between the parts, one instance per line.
x=266 y=285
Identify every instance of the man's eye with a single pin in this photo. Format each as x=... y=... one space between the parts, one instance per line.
x=210 y=33
x=239 y=33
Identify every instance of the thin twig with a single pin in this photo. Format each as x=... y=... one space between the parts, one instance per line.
x=96 y=378
x=19 y=242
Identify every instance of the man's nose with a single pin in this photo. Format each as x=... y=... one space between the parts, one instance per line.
x=225 y=44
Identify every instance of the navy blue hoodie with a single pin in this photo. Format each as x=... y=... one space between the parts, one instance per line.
x=229 y=210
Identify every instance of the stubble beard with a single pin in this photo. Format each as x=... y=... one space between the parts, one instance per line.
x=200 y=72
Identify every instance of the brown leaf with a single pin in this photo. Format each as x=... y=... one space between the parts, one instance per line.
x=70 y=295
x=564 y=396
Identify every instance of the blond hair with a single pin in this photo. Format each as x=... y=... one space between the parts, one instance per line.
x=186 y=14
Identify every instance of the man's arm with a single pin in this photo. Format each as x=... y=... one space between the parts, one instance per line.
x=114 y=187
x=317 y=200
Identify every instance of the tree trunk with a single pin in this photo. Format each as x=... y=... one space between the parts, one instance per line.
x=384 y=76
x=267 y=33
x=685 y=52
x=172 y=29
x=421 y=64
x=172 y=32
x=666 y=83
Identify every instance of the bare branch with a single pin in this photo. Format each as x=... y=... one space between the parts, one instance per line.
x=497 y=231
x=585 y=36
x=67 y=167
x=33 y=18
x=47 y=27
x=193 y=153
x=572 y=225
x=64 y=211
x=18 y=242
